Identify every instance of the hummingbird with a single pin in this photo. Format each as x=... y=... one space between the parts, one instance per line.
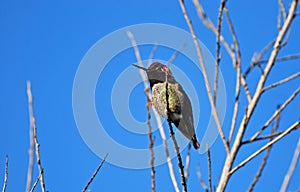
x=178 y=109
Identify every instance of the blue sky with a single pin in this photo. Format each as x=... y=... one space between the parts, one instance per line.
x=45 y=42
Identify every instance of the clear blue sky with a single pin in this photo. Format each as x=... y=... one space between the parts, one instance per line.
x=44 y=42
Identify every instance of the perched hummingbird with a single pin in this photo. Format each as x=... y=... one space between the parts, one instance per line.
x=180 y=107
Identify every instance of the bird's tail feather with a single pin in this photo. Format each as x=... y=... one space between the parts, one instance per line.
x=195 y=142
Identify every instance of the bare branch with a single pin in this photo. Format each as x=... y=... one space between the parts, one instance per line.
x=284 y=43
x=138 y=56
x=291 y=168
x=256 y=57
x=287 y=131
x=174 y=56
x=238 y=76
x=235 y=41
x=209 y=168
x=236 y=107
x=202 y=183
x=180 y=164
x=152 y=54
x=227 y=171
x=282 y=81
x=280 y=59
x=208 y=89
x=37 y=145
x=170 y=165
x=151 y=142
x=218 y=56
x=31 y=140
x=279 y=110
x=5 y=175
x=261 y=168
x=264 y=162
x=187 y=162
x=157 y=117
x=207 y=22
x=262 y=138
x=281 y=13
x=35 y=183
x=95 y=173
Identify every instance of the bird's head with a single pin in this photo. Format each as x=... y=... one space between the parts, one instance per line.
x=157 y=72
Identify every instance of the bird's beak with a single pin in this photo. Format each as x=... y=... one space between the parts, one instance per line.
x=140 y=67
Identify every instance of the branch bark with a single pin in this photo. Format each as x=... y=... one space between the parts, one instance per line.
x=31 y=140
x=209 y=168
x=95 y=173
x=287 y=131
x=218 y=56
x=264 y=162
x=5 y=174
x=291 y=168
x=37 y=144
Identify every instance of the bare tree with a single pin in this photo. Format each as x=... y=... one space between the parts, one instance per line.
x=236 y=139
x=233 y=145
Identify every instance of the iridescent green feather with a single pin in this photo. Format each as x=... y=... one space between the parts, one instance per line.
x=173 y=97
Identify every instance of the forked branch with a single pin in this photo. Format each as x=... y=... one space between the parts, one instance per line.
x=208 y=89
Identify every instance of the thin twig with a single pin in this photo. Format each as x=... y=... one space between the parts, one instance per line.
x=282 y=81
x=170 y=165
x=281 y=13
x=264 y=162
x=262 y=138
x=138 y=56
x=187 y=162
x=95 y=173
x=37 y=145
x=202 y=183
x=209 y=168
x=227 y=168
x=207 y=22
x=175 y=54
x=35 y=183
x=261 y=168
x=208 y=89
x=5 y=174
x=287 y=37
x=256 y=57
x=279 y=110
x=157 y=117
x=291 y=168
x=31 y=145
x=280 y=59
x=218 y=56
x=287 y=131
x=236 y=105
x=238 y=75
x=148 y=106
x=180 y=164
x=235 y=41
x=152 y=54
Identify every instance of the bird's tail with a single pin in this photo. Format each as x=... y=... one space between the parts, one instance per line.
x=195 y=142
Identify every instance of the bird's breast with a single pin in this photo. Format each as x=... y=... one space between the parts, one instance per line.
x=159 y=98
